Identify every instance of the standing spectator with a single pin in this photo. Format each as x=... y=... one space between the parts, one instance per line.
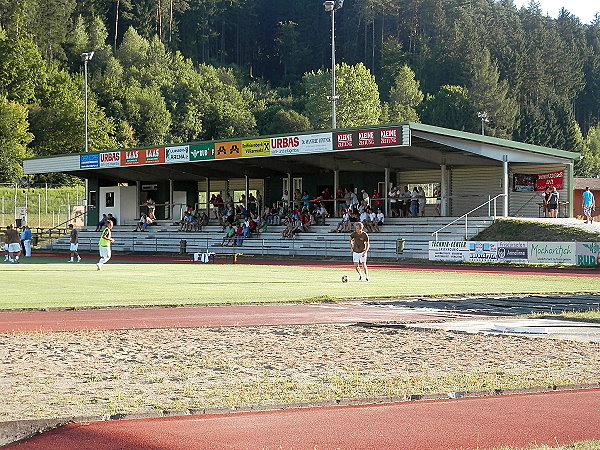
x=375 y=197
x=252 y=203
x=74 y=243
x=394 y=201
x=26 y=241
x=553 y=203
x=215 y=206
x=259 y=202
x=151 y=204
x=406 y=196
x=422 y=199
x=545 y=201
x=285 y=199
x=365 y=197
x=589 y=204
x=437 y=193
x=414 y=202
x=104 y=245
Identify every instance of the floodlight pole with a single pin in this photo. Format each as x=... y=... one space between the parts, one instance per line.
x=333 y=96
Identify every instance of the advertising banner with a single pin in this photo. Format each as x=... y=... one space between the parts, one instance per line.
x=371 y=138
x=551 y=252
x=448 y=250
x=553 y=179
x=524 y=182
x=512 y=251
x=89 y=161
x=154 y=155
x=306 y=143
x=228 y=149
x=588 y=253
x=110 y=159
x=482 y=252
x=256 y=147
x=131 y=157
x=177 y=154
x=199 y=152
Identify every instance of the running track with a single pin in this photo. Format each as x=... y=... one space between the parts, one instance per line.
x=489 y=422
x=211 y=316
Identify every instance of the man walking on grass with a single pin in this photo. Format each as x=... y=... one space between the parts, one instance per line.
x=589 y=204
x=104 y=244
x=359 y=245
x=74 y=244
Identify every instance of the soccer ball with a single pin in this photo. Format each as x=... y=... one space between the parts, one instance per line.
x=344 y=279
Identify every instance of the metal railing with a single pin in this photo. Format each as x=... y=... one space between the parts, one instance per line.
x=466 y=215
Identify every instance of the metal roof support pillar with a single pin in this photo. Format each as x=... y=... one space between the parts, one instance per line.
x=386 y=182
x=247 y=191
x=208 y=197
x=505 y=185
x=290 y=191
x=336 y=187
x=444 y=185
x=570 y=191
x=171 y=206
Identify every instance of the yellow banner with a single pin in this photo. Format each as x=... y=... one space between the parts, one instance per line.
x=228 y=149
x=256 y=147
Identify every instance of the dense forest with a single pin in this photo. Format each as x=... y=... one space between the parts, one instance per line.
x=183 y=70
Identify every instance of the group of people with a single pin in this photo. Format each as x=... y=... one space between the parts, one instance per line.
x=249 y=226
x=106 y=218
x=16 y=244
x=193 y=220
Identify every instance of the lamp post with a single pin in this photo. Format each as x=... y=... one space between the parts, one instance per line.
x=484 y=119
x=333 y=6
x=86 y=57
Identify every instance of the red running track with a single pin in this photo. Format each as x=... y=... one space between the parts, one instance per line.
x=210 y=316
x=554 y=418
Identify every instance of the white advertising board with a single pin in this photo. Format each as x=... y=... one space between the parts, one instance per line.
x=448 y=250
x=301 y=144
x=178 y=154
x=551 y=252
x=588 y=253
x=110 y=159
x=482 y=251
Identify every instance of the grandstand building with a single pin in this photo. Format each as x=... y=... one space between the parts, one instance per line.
x=469 y=168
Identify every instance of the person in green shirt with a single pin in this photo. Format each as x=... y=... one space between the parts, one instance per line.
x=104 y=244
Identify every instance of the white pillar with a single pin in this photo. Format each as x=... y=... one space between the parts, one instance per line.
x=290 y=191
x=505 y=185
x=171 y=206
x=444 y=211
x=208 y=197
x=336 y=186
x=247 y=190
x=386 y=182
x=138 y=190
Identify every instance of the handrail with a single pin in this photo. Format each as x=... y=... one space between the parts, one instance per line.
x=466 y=215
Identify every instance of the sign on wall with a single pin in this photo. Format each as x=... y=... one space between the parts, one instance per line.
x=256 y=147
x=199 y=152
x=110 y=159
x=228 y=149
x=89 y=161
x=512 y=251
x=538 y=182
x=448 y=250
x=588 y=253
x=301 y=144
x=380 y=137
x=552 y=252
x=177 y=154
x=482 y=252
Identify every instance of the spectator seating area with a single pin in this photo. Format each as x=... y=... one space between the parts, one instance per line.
x=320 y=242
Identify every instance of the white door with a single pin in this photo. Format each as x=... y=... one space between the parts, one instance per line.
x=180 y=204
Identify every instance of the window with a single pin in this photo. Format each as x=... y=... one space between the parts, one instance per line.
x=110 y=200
x=92 y=199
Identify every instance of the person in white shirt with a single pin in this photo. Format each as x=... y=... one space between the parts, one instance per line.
x=285 y=199
x=393 y=198
x=421 y=201
x=380 y=218
x=344 y=225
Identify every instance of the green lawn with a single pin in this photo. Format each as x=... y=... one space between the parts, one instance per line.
x=52 y=283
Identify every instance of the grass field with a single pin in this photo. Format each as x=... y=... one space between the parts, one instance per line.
x=53 y=283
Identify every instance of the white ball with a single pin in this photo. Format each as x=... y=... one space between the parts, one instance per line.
x=344 y=279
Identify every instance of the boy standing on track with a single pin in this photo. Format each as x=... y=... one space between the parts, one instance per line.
x=104 y=245
x=359 y=245
x=74 y=243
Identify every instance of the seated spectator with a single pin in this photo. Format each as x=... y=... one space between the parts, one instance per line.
x=261 y=225
x=202 y=220
x=373 y=219
x=147 y=223
x=229 y=236
x=344 y=226
x=100 y=224
x=188 y=222
x=239 y=235
x=306 y=220
x=112 y=219
x=365 y=218
x=380 y=218
x=289 y=227
x=141 y=222
x=320 y=214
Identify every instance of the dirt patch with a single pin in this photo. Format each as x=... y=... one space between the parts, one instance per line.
x=99 y=372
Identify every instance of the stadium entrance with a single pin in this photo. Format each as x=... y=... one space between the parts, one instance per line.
x=464 y=170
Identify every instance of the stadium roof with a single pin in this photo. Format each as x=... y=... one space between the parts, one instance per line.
x=397 y=146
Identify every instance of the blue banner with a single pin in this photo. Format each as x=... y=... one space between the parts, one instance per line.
x=89 y=161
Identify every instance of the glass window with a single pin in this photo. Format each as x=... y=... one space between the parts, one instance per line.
x=110 y=200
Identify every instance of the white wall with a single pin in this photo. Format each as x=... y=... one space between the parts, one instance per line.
x=125 y=208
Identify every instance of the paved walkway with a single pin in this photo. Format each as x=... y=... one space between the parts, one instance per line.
x=489 y=422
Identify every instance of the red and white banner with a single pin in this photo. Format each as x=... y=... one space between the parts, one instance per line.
x=552 y=179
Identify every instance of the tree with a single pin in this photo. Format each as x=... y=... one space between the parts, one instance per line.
x=490 y=94
x=450 y=107
x=405 y=96
x=147 y=113
x=589 y=165
x=358 y=102
x=286 y=121
x=14 y=137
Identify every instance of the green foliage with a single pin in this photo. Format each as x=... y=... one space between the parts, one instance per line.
x=286 y=121
x=358 y=102
x=450 y=107
x=14 y=137
x=405 y=96
x=589 y=165
x=21 y=67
